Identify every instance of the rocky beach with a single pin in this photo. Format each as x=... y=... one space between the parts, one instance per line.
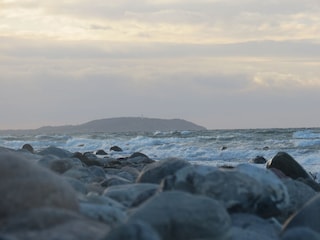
x=53 y=193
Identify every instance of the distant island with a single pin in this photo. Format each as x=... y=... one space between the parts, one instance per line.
x=112 y=125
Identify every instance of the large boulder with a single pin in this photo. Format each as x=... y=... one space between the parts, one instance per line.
x=155 y=172
x=244 y=189
x=25 y=185
x=308 y=216
x=181 y=216
x=286 y=164
x=51 y=224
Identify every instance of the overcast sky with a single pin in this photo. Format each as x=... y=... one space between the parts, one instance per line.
x=218 y=63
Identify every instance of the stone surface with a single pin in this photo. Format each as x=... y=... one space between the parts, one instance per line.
x=53 y=224
x=133 y=231
x=116 y=149
x=262 y=193
x=299 y=194
x=308 y=216
x=25 y=185
x=110 y=215
x=181 y=216
x=300 y=233
x=131 y=194
x=252 y=227
x=59 y=165
x=290 y=167
x=59 y=152
x=155 y=172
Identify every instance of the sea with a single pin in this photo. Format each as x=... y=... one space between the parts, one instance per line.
x=208 y=147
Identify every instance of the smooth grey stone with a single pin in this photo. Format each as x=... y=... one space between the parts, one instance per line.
x=25 y=185
x=59 y=165
x=131 y=194
x=59 y=152
x=155 y=172
x=133 y=231
x=181 y=216
x=300 y=233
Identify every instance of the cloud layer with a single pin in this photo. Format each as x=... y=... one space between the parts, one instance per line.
x=223 y=64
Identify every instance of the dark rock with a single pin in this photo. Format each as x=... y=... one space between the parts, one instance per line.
x=130 y=194
x=290 y=167
x=61 y=153
x=138 y=154
x=52 y=224
x=113 y=181
x=116 y=149
x=300 y=233
x=110 y=215
x=101 y=152
x=28 y=147
x=133 y=231
x=223 y=148
x=59 y=165
x=252 y=227
x=86 y=174
x=311 y=183
x=182 y=216
x=308 y=216
x=25 y=185
x=258 y=160
x=299 y=194
x=155 y=172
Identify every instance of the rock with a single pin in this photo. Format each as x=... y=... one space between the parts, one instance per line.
x=155 y=172
x=25 y=185
x=311 y=183
x=101 y=152
x=262 y=193
x=61 y=153
x=59 y=165
x=308 y=216
x=133 y=231
x=86 y=174
x=110 y=215
x=300 y=233
x=252 y=227
x=258 y=160
x=136 y=160
x=90 y=159
x=182 y=216
x=299 y=194
x=116 y=149
x=77 y=185
x=113 y=181
x=52 y=224
x=290 y=167
x=28 y=148
x=131 y=194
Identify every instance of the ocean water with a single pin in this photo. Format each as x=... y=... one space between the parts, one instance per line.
x=211 y=147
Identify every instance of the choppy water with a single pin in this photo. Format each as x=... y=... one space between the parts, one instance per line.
x=204 y=147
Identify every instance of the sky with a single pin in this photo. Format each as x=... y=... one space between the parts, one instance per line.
x=218 y=63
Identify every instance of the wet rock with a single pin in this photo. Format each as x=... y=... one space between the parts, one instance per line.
x=52 y=224
x=299 y=194
x=116 y=149
x=300 y=233
x=110 y=215
x=261 y=193
x=155 y=172
x=28 y=148
x=182 y=216
x=59 y=152
x=101 y=152
x=59 y=165
x=258 y=160
x=86 y=174
x=113 y=181
x=133 y=231
x=286 y=164
x=131 y=194
x=252 y=227
x=308 y=216
x=25 y=185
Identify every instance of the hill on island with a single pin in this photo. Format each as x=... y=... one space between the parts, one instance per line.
x=123 y=124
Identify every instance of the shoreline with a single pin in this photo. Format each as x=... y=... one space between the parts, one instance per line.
x=127 y=197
